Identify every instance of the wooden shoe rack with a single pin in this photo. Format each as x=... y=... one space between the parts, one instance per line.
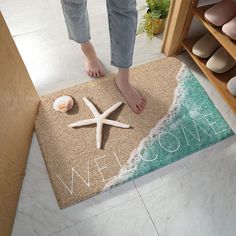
x=218 y=80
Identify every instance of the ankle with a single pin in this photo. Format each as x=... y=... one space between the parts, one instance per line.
x=123 y=75
x=87 y=49
x=86 y=45
x=122 y=82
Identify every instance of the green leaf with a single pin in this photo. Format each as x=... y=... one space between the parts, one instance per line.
x=158 y=9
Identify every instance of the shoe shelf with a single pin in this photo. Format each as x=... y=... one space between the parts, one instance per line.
x=224 y=40
x=218 y=80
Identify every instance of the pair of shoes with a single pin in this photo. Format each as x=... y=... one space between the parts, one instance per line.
x=223 y=14
x=220 y=61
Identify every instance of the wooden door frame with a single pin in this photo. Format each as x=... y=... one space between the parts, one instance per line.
x=19 y=103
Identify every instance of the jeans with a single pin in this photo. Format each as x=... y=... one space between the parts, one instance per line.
x=122 y=18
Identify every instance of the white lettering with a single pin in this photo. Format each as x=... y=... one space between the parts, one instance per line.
x=165 y=148
x=73 y=171
x=196 y=135
x=100 y=168
x=212 y=124
x=117 y=160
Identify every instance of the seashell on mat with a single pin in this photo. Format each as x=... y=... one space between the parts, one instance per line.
x=63 y=103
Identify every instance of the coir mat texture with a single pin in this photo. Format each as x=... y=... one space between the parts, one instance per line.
x=179 y=119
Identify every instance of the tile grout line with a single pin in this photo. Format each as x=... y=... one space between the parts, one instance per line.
x=147 y=210
x=29 y=32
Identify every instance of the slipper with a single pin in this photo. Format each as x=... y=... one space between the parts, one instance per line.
x=230 y=28
x=231 y=86
x=221 y=12
x=205 y=46
x=220 y=61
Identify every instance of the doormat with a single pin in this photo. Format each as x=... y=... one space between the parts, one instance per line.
x=179 y=119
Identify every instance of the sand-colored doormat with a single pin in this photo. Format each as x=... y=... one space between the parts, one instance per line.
x=179 y=119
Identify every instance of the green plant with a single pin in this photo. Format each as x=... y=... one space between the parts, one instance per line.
x=156 y=9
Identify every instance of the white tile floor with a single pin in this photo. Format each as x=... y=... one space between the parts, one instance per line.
x=195 y=196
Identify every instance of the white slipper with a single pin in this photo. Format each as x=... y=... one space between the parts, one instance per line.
x=221 y=12
x=220 y=61
x=230 y=28
x=205 y=46
x=231 y=86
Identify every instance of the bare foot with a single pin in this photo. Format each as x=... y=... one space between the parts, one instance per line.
x=134 y=99
x=93 y=66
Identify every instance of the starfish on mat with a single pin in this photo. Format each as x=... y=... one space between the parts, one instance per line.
x=100 y=120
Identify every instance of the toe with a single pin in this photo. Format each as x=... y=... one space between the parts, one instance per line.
x=90 y=73
x=140 y=107
x=100 y=73
x=137 y=110
x=96 y=74
x=143 y=103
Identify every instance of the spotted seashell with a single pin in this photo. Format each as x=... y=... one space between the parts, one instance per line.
x=63 y=103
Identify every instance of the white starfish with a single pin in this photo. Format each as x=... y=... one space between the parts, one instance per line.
x=100 y=120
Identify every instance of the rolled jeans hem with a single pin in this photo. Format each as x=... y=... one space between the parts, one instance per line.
x=121 y=66
x=79 y=40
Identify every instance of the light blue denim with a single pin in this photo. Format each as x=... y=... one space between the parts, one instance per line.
x=122 y=18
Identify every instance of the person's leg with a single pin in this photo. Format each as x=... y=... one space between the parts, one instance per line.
x=122 y=17
x=77 y=22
